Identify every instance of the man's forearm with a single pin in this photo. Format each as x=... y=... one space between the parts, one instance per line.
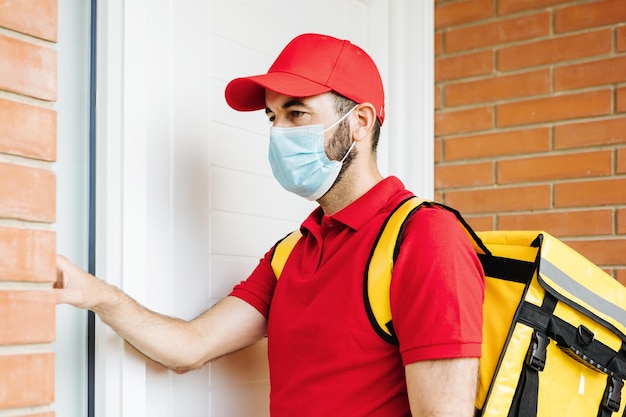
x=230 y=325
x=166 y=340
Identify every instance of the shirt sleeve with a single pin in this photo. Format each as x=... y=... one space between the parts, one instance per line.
x=258 y=289
x=437 y=290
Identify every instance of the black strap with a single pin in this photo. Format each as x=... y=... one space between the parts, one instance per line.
x=527 y=406
x=524 y=403
x=604 y=412
x=508 y=269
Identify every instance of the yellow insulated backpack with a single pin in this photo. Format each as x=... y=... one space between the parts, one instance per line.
x=554 y=330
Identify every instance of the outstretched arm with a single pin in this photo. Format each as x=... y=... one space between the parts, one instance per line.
x=442 y=388
x=180 y=345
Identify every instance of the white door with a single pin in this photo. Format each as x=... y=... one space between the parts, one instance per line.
x=186 y=200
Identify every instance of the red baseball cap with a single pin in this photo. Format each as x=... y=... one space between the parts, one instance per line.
x=313 y=64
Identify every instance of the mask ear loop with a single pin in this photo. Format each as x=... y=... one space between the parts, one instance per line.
x=347 y=153
x=341 y=119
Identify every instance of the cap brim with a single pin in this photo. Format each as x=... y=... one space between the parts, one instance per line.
x=248 y=93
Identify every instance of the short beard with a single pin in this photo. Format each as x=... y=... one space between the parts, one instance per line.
x=339 y=145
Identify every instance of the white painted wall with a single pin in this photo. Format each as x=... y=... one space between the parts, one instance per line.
x=186 y=201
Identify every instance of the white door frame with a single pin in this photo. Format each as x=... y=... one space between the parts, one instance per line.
x=410 y=93
x=72 y=219
x=402 y=33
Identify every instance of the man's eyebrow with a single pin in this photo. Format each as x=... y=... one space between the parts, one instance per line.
x=287 y=104
x=293 y=102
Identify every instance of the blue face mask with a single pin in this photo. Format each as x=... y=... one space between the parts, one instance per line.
x=299 y=161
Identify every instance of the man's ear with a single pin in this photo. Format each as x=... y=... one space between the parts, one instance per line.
x=365 y=115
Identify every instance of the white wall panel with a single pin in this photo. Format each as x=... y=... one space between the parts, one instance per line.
x=232 y=270
x=239 y=234
x=190 y=395
x=238 y=58
x=240 y=150
x=243 y=25
x=245 y=193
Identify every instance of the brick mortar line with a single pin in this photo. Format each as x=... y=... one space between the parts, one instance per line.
x=563 y=210
x=533 y=183
x=11 y=350
x=518 y=128
x=520 y=42
x=27 y=38
x=544 y=211
x=525 y=127
x=25 y=286
x=27 y=411
x=26 y=225
x=534 y=97
x=488 y=76
x=527 y=41
x=18 y=98
x=531 y=155
x=497 y=73
x=523 y=42
x=26 y=161
x=592 y=238
x=492 y=19
x=520 y=14
x=558 y=210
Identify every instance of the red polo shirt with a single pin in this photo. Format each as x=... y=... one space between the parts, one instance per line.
x=325 y=357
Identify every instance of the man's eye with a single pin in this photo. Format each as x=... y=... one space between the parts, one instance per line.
x=295 y=114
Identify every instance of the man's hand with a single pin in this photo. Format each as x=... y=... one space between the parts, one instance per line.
x=77 y=287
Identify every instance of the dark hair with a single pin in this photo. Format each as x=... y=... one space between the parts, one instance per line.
x=344 y=105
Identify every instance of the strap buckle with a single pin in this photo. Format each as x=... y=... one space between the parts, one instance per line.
x=613 y=393
x=536 y=357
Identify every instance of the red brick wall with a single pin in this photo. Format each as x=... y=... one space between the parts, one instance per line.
x=530 y=122
x=28 y=68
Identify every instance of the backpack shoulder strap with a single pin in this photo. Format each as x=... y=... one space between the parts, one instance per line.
x=378 y=272
x=377 y=282
x=282 y=250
